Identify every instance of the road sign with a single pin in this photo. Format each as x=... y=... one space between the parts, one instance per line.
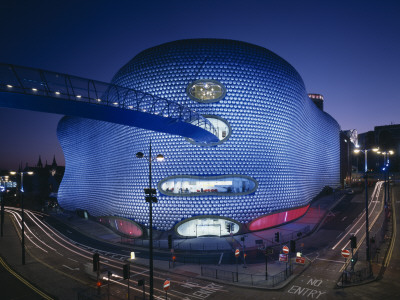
x=237 y=252
x=285 y=249
x=283 y=257
x=150 y=191
x=345 y=253
x=167 y=283
x=300 y=260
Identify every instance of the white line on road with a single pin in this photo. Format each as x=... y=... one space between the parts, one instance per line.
x=73 y=259
x=336 y=261
x=72 y=269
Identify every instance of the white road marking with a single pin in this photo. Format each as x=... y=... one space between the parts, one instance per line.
x=73 y=259
x=72 y=269
x=336 y=261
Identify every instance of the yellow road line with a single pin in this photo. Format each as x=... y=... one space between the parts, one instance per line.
x=2 y=262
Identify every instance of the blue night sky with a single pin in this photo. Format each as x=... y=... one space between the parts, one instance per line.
x=346 y=50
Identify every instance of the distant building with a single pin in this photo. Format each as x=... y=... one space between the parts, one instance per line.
x=43 y=185
x=387 y=138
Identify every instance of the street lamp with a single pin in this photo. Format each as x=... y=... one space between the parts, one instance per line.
x=2 y=190
x=388 y=165
x=348 y=167
x=22 y=211
x=150 y=198
x=365 y=151
x=385 y=169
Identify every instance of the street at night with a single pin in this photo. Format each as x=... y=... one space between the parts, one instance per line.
x=199 y=150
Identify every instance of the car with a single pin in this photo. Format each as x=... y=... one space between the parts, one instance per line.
x=349 y=192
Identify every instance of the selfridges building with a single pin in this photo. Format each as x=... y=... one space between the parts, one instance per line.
x=276 y=149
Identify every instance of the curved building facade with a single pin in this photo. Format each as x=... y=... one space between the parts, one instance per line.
x=276 y=149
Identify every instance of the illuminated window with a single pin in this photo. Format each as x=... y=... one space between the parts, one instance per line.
x=206 y=90
x=227 y=185
x=222 y=127
x=207 y=226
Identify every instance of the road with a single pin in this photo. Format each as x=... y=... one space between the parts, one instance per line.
x=317 y=282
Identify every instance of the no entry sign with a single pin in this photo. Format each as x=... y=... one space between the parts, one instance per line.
x=237 y=252
x=167 y=283
x=285 y=249
x=345 y=253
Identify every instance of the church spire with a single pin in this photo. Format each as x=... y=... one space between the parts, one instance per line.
x=54 y=164
x=39 y=164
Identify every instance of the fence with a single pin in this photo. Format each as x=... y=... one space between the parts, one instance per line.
x=106 y=294
x=244 y=278
x=349 y=278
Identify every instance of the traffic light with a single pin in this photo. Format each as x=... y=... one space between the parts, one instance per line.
x=96 y=262
x=169 y=241
x=353 y=261
x=353 y=242
x=126 y=271
x=277 y=237
x=292 y=246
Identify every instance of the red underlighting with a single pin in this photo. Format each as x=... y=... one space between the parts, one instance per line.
x=278 y=218
x=124 y=226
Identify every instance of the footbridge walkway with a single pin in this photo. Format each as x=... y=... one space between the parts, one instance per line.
x=45 y=91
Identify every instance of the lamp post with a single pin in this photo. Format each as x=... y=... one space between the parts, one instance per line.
x=2 y=189
x=388 y=165
x=385 y=169
x=150 y=198
x=22 y=211
x=348 y=168
x=365 y=151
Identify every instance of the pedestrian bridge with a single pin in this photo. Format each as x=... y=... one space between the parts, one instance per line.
x=51 y=92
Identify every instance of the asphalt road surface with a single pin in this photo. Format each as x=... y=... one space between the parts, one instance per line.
x=323 y=248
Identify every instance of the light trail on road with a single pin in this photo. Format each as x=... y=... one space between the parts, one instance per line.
x=393 y=241
x=361 y=219
x=46 y=235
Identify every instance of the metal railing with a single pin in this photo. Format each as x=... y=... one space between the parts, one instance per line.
x=353 y=277
x=24 y=80
x=245 y=278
